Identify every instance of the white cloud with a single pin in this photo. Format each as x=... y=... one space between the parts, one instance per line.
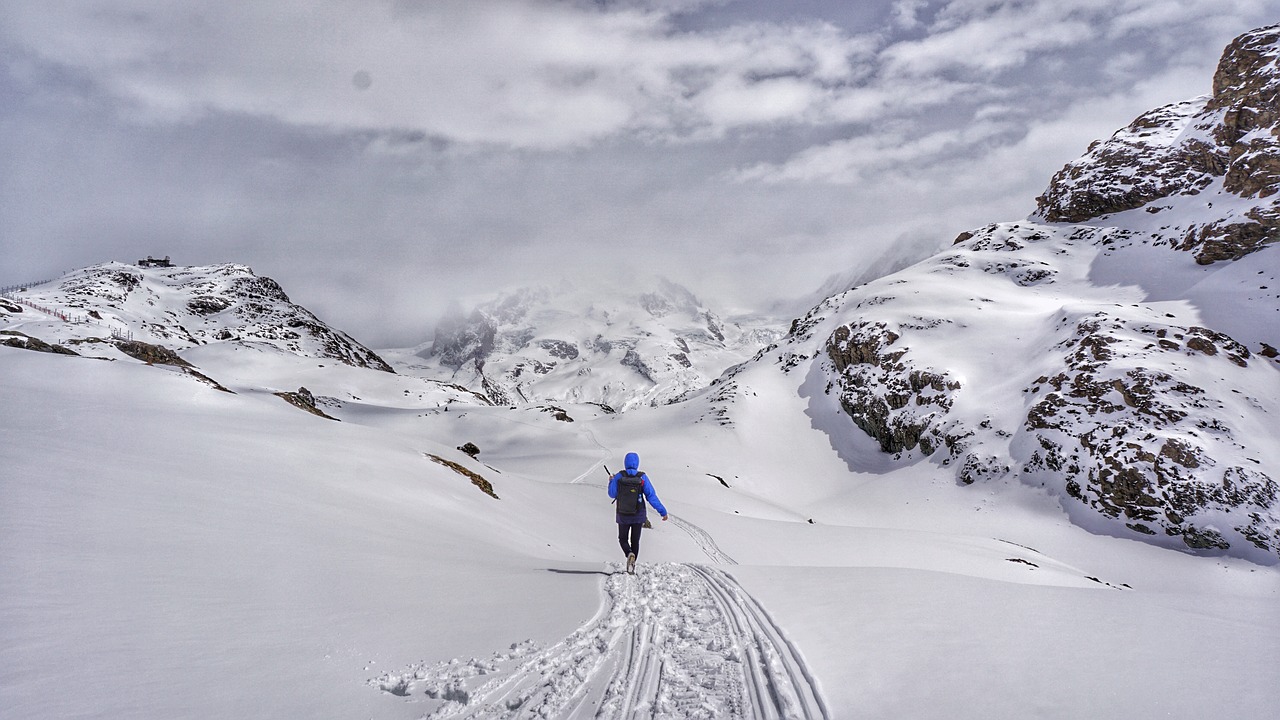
x=525 y=73
x=868 y=158
x=545 y=73
x=487 y=141
x=905 y=13
x=990 y=73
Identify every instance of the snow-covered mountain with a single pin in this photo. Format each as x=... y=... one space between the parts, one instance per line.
x=847 y=506
x=1117 y=349
x=1202 y=174
x=184 y=307
x=643 y=343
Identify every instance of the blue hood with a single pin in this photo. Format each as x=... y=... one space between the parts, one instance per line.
x=632 y=463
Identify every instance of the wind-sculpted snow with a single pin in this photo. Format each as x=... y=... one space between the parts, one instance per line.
x=672 y=641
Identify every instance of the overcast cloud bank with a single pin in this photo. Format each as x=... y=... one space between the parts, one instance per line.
x=381 y=158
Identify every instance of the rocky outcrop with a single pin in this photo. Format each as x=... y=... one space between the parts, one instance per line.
x=476 y=479
x=161 y=355
x=1002 y=359
x=1226 y=144
x=1126 y=432
x=303 y=399
x=151 y=354
x=890 y=399
x=13 y=338
x=1139 y=164
x=1246 y=93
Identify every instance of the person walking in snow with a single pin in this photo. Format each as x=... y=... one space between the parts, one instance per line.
x=631 y=488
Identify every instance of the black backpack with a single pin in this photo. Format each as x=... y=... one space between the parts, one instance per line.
x=630 y=493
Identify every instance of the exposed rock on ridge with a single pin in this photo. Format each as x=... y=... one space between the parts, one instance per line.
x=1225 y=146
x=1135 y=417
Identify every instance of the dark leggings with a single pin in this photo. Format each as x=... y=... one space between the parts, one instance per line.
x=629 y=538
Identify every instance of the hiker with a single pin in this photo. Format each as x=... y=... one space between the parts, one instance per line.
x=631 y=488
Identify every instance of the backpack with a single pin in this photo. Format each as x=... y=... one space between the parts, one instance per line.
x=630 y=493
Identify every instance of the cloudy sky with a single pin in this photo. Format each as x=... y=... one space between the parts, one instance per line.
x=381 y=157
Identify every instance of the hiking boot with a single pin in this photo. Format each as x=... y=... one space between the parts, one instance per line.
x=631 y=563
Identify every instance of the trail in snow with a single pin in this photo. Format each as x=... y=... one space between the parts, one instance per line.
x=704 y=541
x=605 y=454
x=672 y=641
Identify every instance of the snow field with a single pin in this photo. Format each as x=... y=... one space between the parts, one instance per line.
x=894 y=643
x=174 y=551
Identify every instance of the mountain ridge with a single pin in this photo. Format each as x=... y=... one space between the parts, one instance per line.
x=181 y=307
x=1072 y=351
x=1176 y=161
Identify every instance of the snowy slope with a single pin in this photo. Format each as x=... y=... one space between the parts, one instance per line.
x=1005 y=360
x=644 y=343
x=1108 y=360
x=171 y=550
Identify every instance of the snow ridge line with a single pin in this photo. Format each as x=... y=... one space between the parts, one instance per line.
x=672 y=641
x=704 y=541
x=8 y=289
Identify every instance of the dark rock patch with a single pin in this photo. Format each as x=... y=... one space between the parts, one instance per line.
x=476 y=479
x=208 y=304
x=26 y=342
x=303 y=399
x=151 y=354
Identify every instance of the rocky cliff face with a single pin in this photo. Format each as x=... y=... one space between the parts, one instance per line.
x=1117 y=349
x=181 y=307
x=647 y=346
x=1182 y=159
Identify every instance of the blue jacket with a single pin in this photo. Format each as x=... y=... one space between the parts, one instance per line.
x=632 y=469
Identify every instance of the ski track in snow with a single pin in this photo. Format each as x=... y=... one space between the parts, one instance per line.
x=671 y=641
x=605 y=454
x=704 y=541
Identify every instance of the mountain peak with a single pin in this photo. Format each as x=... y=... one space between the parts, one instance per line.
x=1249 y=75
x=1175 y=163
x=186 y=306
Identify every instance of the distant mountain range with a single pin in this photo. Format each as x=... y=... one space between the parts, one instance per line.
x=642 y=343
